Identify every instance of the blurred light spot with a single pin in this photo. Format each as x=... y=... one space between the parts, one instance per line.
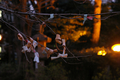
x=0 y=49
x=102 y=52
x=0 y=13
x=0 y=37
x=116 y=47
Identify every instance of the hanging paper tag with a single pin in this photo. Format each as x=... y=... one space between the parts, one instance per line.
x=35 y=43
x=58 y=39
x=90 y=17
x=25 y=48
x=36 y=58
x=60 y=55
x=63 y=55
x=20 y=37
x=35 y=1
x=85 y=18
x=51 y=16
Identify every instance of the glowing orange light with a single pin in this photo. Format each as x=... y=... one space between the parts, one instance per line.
x=102 y=52
x=116 y=47
x=0 y=37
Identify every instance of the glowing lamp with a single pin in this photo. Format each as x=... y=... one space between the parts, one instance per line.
x=102 y=52
x=116 y=47
x=0 y=37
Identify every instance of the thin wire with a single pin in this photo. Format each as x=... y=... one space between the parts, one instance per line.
x=68 y=62
x=62 y=58
x=69 y=18
x=29 y=13
x=46 y=25
x=26 y=18
x=44 y=46
x=17 y=32
x=11 y=28
x=55 y=34
x=76 y=17
x=72 y=54
x=107 y=16
x=79 y=2
x=93 y=17
x=10 y=25
x=22 y=18
x=80 y=56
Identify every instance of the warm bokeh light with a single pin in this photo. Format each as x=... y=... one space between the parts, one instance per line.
x=0 y=49
x=116 y=47
x=0 y=13
x=102 y=52
x=0 y=37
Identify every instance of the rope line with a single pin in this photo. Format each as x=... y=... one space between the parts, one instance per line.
x=39 y=44
x=72 y=14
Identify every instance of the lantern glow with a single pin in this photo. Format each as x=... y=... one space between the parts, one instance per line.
x=102 y=52
x=116 y=47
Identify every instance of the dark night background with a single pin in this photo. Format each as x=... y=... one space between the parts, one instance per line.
x=84 y=65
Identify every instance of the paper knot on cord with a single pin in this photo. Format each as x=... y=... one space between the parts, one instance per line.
x=85 y=18
x=59 y=55
x=27 y=47
x=51 y=16
x=35 y=2
x=62 y=41
x=34 y=43
x=32 y=10
x=20 y=37
x=36 y=58
x=49 y=51
x=90 y=17
x=58 y=39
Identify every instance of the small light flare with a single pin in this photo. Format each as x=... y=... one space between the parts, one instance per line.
x=0 y=13
x=116 y=47
x=0 y=49
x=102 y=52
x=0 y=37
